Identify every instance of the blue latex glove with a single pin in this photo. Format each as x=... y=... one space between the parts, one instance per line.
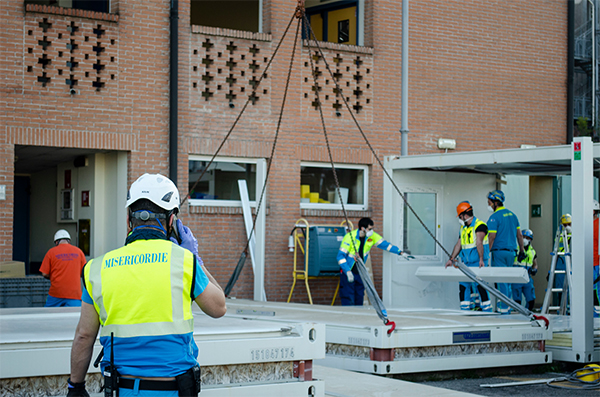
x=188 y=241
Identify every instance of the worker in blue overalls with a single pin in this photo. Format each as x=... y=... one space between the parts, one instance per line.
x=505 y=239
x=474 y=251
x=358 y=243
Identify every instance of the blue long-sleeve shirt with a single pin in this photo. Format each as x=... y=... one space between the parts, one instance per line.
x=348 y=248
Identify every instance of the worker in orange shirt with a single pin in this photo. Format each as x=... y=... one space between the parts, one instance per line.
x=62 y=265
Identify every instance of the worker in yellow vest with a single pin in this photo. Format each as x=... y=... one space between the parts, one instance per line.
x=530 y=263
x=140 y=298
x=472 y=245
x=559 y=278
x=358 y=243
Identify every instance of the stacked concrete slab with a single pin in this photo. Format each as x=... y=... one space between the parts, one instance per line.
x=238 y=357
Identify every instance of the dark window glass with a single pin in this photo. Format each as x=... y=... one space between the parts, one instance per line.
x=220 y=181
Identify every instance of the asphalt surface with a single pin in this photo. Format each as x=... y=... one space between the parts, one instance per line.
x=473 y=385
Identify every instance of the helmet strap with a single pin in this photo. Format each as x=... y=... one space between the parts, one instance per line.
x=147 y=215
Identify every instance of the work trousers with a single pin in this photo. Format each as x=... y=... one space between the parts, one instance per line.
x=527 y=290
x=501 y=258
x=352 y=294
x=469 y=294
x=596 y=292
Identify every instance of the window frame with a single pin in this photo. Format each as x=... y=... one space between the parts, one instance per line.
x=261 y=166
x=259 y=16
x=438 y=191
x=338 y=5
x=333 y=206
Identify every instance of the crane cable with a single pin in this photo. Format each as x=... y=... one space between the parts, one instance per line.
x=339 y=91
x=362 y=270
x=300 y=14
x=242 y=260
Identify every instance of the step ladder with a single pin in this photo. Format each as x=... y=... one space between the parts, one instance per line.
x=550 y=290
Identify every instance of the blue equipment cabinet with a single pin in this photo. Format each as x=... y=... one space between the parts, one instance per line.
x=324 y=243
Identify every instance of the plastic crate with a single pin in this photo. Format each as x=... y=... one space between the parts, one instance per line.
x=23 y=292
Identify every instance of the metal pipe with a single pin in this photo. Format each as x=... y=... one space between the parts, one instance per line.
x=173 y=94
x=404 y=105
x=594 y=67
x=570 y=68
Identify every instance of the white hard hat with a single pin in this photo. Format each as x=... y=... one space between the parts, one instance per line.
x=596 y=205
x=154 y=187
x=61 y=234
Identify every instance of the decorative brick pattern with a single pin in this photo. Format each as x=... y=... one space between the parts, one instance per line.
x=353 y=73
x=63 y=53
x=225 y=70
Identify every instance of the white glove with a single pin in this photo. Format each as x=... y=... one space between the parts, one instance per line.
x=350 y=276
x=406 y=256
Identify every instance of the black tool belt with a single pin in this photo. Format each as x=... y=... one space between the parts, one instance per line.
x=187 y=384
x=145 y=384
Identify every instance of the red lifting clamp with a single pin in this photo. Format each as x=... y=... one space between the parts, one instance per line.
x=392 y=325
x=542 y=318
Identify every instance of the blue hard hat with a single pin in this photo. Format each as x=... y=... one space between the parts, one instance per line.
x=496 y=195
x=528 y=233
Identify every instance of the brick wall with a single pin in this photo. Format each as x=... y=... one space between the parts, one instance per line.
x=490 y=75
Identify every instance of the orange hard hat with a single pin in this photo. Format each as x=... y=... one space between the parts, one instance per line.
x=462 y=207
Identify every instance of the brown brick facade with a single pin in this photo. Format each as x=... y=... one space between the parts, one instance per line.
x=490 y=75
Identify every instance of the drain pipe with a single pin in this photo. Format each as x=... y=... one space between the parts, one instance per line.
x=173 y=99
x=570 y=68
x=594 y=66
x=404 y=104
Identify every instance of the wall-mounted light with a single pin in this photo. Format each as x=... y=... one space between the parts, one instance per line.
x=446 y=144
x=527 y=146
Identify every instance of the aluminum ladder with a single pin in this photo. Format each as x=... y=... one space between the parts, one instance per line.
x=562 y=309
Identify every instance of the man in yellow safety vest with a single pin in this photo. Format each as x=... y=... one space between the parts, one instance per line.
x=358 y=243
x=472 y=245
x=140 y=298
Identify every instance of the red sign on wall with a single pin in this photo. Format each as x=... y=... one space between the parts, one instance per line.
x=67 y=179
x=85 y=198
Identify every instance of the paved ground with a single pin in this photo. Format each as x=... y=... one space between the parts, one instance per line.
x=473 y=384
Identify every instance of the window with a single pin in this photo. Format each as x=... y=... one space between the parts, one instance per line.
x=219 y=184
x=318 y=188
x=337 y=21
x=231 y=14
x=415 y=238
x=89 y=5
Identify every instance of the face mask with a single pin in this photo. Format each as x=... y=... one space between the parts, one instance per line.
x=568 y=228
x=369 y=233
x=490 y=208
x=526 y=242
x=462 y=223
